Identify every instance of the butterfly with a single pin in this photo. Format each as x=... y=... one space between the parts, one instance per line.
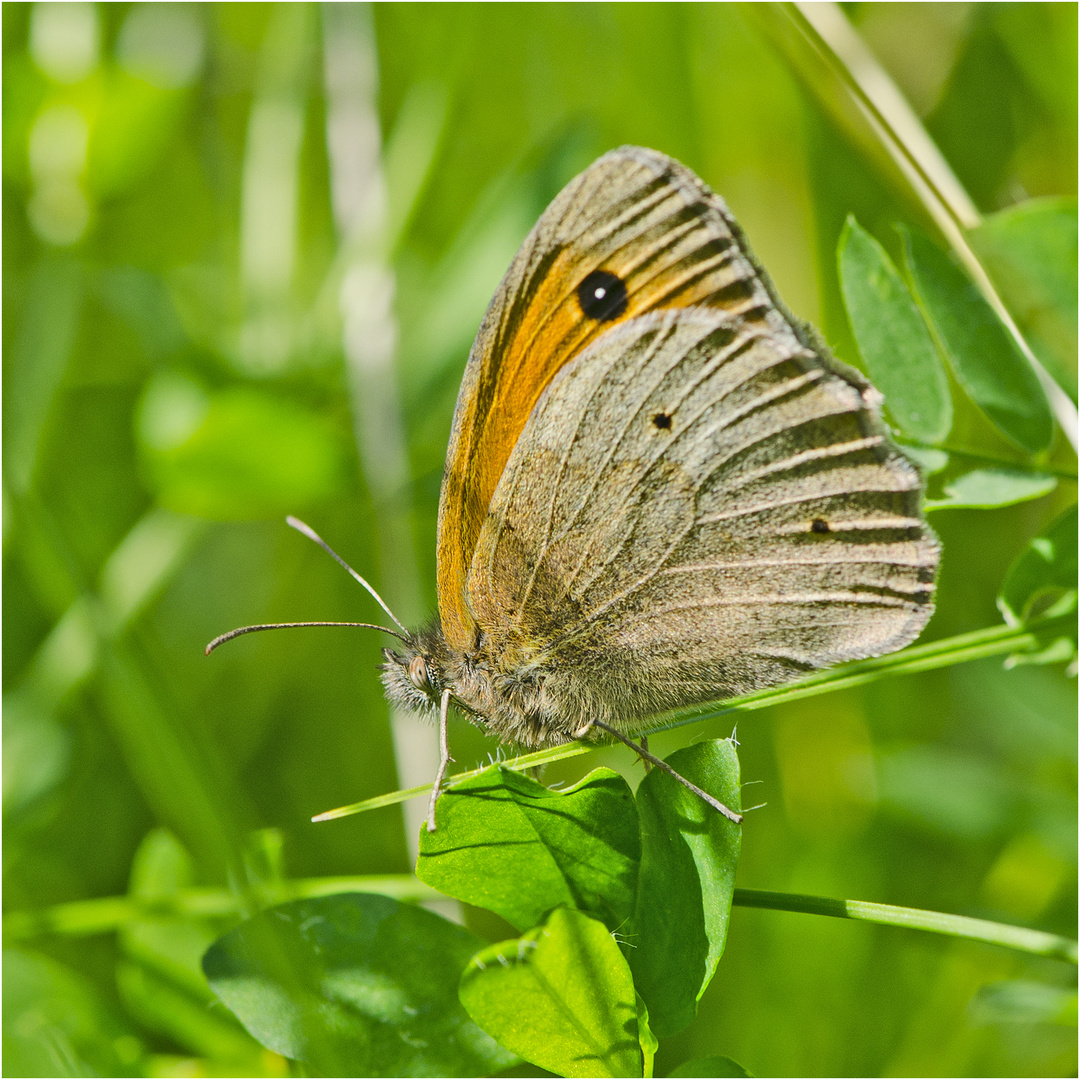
x=661 y=489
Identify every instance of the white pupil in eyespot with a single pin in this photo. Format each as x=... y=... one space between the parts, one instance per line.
x=600 y=293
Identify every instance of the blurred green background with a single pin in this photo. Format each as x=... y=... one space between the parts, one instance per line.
x=246 y=248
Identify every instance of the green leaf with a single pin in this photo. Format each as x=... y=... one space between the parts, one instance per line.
x=560 y=996
x=710 y=1066
x=982 y=352
x=1030 y=251
x=1042 y=580
x=894 y=342
x=988 y=488
x=930 y=461
x=354 y=985
x=511 y=845
x=688 y=857
x=235 y=454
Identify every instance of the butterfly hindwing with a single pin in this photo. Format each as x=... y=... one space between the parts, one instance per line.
x=699 y=505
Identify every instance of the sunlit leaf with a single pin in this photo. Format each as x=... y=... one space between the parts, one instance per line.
x=983 y=354
x=688 y=857
x=355 y=985
x=560 y=996
x=1030 y=250
x=896 y=347
x=988 y=488
x=509 y=844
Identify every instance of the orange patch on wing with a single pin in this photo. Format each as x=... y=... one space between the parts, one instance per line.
x=542 y=329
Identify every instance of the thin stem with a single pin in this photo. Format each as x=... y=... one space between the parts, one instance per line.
x=84 y=918
x=993 y=641
x=837 y=49
x=935 y=922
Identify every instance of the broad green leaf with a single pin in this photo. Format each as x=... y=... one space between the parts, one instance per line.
x=560 y=996
x=511 y=845
x=1030 y=251
x=894 y=342
x=354 y=985
x=1042 y=580
x=987 y=488
x=983 y=354
x=234 y=454
x=710 y=1066
x=688 y=857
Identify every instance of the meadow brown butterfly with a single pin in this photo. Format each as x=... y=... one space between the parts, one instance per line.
x=661 y=488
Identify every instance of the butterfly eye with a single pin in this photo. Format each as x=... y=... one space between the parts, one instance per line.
x=418 y=674
x=602 y=296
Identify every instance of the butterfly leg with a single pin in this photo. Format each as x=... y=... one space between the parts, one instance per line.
x=645 y=746
x=444 y=759
x=644 y=753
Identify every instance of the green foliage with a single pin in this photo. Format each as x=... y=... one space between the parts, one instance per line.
x=894 y=343
x=509 y=844
x=561 y=996
x=175 y=380
x=986 y=488
x=356 y=984
x=1030 y=250
x=1043 y=578
x=983 y=355
x=688 y=859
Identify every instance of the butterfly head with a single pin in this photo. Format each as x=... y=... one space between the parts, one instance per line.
x=415 y=675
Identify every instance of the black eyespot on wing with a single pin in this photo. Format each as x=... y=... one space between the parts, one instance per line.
x=602 y=296
x=662 y=420
x=819 y=525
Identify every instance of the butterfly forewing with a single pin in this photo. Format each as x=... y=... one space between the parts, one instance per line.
x=634 y=233
x=699 y=506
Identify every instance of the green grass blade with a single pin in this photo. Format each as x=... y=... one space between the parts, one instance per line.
x=935 y=922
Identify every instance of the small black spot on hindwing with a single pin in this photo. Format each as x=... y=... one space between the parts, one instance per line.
x=819 y=525
x=662 y=420
x=602 y=296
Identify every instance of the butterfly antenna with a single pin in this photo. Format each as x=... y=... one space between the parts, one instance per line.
x=222 y=638
x=311 y=534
